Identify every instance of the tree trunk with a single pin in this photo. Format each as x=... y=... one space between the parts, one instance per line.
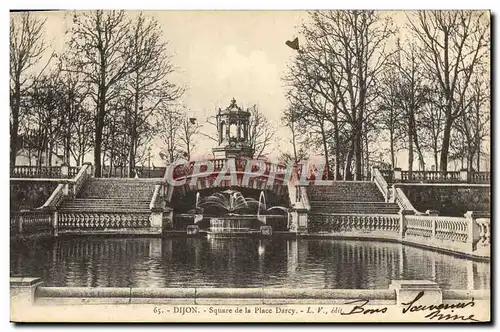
x=336 y=175
x=478 y=162
x=470 y=161
x=14 y=129
x=367 y=156
x=348 y=162
x=445 y=147
x=357 y=155
x=97 y=147
x=325 y=148
x=419 y=151
x=410 y=156
x=393 y=158
x=436 y=160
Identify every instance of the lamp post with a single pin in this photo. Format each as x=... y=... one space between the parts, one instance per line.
x=149 y=162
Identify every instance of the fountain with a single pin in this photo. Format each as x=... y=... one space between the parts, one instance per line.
x=235 y=214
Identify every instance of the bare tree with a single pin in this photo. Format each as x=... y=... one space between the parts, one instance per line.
x=261 y=132
x=170 y=121
x=99 y=48
x=187 y=135
x=74 y=93
x=412 y=94
x=474 y=122
x=27 y=47
x=451 y=46
x=82 y=129
x=45 y=117
x=391 y=116
x=147 y=85
x=431 y=124
x=344 y=53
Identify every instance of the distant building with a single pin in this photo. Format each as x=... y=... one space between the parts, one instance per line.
x=26 y=158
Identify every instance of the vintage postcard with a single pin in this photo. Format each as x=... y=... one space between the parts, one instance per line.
x=250 y=166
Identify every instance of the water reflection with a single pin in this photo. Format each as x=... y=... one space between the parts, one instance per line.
x=239 y=262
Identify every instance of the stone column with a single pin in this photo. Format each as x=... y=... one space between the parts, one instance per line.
x=228 y=130
x=397 y=174
x=55 y=223
x=19 y=223
x=402 y=222
x=64 y=170
x=473 y=230
x=168 y=223
x=157 y=220
x=464 y=175
x=302 y=217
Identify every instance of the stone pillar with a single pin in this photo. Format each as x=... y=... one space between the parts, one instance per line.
x=228 y=130
x=66 y=189
x=168 y=218
x=64 y=170
x=402 y=222
x=22 y=292
x=55 y=223
x=464 y=175
x=19 y=223
x=302 y=221
x=293 y=221
x=408 y=290
x=157 y=220
x=473 y=230
x=397 y=174
x=89 y=168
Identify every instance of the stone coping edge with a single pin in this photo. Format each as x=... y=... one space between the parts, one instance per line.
x=128 y=294
x=216 y=293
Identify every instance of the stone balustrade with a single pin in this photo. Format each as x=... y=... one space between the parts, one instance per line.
x=102 y=220
x=400 y=176
x=469 y=235
x=47 y=172
x=37 y=222
x=342 y=224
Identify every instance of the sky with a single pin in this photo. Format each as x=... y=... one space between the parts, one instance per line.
x=220 y=55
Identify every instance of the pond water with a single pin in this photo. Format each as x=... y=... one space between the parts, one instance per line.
x=239 y=262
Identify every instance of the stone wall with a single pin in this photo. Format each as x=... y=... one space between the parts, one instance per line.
x=449 y=200
x=26 y=194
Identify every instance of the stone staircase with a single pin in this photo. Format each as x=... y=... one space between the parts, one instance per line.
x=349 y=197
x=112 y=195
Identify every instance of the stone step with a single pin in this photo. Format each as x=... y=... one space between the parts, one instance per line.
x=105 y=201
x=346 y=191
x=111 y=188
x=356 y=211
x=69 y=206
x=101 y=209
x=351 y=203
